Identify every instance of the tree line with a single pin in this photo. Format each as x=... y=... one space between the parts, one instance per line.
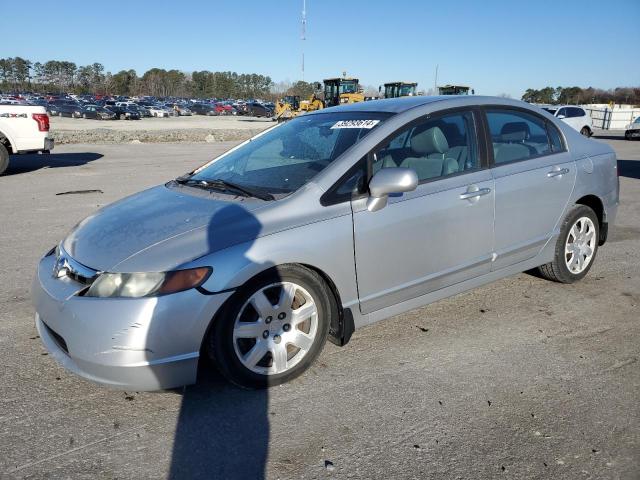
x=18 y=74
x=577 y=95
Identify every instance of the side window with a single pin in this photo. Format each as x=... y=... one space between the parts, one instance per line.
x=354 y=182
x=555 y=139
x=434 y=148
x=517 y=135
x=575 y=112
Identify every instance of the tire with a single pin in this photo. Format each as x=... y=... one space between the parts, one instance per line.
x=627 y=135
x=84 y=115
x=558 y=270
x=4 y=159
x=231 y=354
x=123 y=116
x=585 y=131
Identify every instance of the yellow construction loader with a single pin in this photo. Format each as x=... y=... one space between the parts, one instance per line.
x=342 y=90
x=291 y=106
x=337 y=91
x=399 y=89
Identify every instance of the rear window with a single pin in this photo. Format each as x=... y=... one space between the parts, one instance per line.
x=517 y=135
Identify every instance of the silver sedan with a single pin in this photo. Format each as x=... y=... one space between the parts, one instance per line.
x=318 y=226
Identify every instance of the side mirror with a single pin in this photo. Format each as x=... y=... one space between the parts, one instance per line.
x=388 y=181
x=561 y=117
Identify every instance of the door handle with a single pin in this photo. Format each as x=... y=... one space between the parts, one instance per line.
x=474 y=193
x=558 y=172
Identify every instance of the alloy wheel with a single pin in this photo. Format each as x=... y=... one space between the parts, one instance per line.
x=276 y=328
x=580 y=245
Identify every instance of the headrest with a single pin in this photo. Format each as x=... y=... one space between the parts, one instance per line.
x=431 y=140
x=515 y=132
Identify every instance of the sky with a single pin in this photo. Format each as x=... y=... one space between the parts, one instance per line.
x=495 y=46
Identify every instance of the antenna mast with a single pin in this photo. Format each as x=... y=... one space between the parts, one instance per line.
x=304 y=32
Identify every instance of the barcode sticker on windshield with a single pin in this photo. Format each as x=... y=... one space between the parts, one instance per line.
x=356 y=124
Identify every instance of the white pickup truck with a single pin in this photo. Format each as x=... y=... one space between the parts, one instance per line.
x=23 y=129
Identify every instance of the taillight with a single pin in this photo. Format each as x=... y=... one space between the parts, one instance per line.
x=43 y=121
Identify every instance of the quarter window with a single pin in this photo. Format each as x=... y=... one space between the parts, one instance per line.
x=434 y=148
x=575 y=112
x=517 y=135
x=554 y=138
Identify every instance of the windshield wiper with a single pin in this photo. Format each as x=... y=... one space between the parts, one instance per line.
x=220 y=184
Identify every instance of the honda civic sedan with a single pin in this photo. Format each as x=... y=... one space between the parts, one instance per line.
x=316 y=227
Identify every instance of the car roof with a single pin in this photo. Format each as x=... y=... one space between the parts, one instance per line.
x=402 y=104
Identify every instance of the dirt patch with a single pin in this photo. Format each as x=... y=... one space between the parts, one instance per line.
x=105 y=136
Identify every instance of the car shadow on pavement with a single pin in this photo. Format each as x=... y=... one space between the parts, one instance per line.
x=31 y=162
x=629 y=168
x=222 y=431
x=607 y=137
x=256 y=119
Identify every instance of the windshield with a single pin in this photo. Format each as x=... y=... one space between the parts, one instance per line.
x=288 y=156
x=348 y=86
x=406 y=90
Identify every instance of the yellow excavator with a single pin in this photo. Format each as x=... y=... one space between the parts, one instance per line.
x=399 y=89
x=337 y=91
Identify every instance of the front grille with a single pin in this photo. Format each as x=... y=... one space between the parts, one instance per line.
x=79 y=278
x=67 y=266
x=57 y=338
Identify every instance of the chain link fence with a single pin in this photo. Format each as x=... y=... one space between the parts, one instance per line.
x=617 y=119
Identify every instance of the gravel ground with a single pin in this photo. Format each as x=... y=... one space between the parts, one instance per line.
x=197 y=128
x=519 y=379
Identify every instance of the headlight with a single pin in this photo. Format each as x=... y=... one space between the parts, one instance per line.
x=136 y=285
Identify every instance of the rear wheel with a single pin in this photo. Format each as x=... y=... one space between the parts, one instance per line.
x=576 y=247
x=627 y=135
x=123 y=116
x=585 y=131
x=4 y=159
x=273 y=328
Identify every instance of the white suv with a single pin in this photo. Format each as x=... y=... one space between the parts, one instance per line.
x=576 y=117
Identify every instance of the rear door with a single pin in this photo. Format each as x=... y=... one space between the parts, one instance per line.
x=437 y=235
x=534 y=177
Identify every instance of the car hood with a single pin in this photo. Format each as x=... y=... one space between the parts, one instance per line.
x=165 y=226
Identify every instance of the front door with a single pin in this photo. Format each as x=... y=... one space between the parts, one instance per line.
x=438 y=235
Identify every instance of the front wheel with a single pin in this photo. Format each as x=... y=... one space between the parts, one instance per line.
x=273 y=328
x=576 y=247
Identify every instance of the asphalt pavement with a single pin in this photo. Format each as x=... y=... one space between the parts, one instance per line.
x=522 y=378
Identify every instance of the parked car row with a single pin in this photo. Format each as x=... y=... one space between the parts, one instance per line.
x=100 y=107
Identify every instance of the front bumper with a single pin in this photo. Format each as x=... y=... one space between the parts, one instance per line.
x=125 y=343
x=633 y=133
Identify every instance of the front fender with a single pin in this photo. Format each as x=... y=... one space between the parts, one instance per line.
x=325 y=245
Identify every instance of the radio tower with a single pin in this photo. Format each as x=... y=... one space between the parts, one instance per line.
x=304 y=32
